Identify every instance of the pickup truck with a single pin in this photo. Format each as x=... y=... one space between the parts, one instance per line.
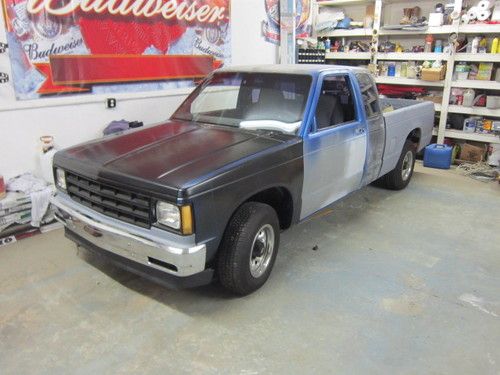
x=252 y=151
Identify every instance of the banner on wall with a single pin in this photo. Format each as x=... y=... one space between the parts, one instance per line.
x=271 y=26
x=109 y=46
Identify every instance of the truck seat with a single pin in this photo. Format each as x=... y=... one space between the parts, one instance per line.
x=329 y=111
x=272 y=105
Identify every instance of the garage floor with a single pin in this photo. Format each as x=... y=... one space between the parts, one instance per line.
x=402 y=282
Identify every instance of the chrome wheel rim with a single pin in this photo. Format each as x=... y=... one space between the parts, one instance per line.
x=407 y=165
x=262 y=250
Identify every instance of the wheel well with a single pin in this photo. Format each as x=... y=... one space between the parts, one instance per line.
x=415 y=136
x=281 y=200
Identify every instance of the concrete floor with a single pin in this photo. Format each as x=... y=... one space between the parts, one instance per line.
x=402 y=283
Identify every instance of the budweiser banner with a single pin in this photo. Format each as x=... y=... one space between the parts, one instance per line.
x=106 y=46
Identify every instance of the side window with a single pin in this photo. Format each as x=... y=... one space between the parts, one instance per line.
x=369 y=93
x=336 y=103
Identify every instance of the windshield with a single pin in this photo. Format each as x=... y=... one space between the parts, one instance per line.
x=249 y=100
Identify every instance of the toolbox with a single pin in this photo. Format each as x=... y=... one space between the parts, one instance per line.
x=437 y=156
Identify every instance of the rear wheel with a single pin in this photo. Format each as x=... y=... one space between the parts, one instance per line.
x=248 y=249
x=400 y=176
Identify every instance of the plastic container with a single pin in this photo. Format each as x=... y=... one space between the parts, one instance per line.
x=468 y=99
x=438 y=47
x=437 y=156
x=470 y=124
x=391 y=69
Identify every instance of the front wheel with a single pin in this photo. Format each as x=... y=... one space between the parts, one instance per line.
x=248 y=249
x=400 y=176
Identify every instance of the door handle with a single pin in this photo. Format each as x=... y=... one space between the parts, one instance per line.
x=359 y=130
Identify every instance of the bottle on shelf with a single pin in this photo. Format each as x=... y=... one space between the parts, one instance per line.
x=438 y=47
x=494 y=46
x=429 y=39
x=468 y=98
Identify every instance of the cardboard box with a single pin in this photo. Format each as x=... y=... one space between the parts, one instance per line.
x=472 y=153
x=434 y=99
x=433 y=74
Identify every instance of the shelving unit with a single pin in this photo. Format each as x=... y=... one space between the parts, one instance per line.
x=378 y=31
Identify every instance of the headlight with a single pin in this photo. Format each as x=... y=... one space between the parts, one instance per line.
x=170 y=215
x=61 y=178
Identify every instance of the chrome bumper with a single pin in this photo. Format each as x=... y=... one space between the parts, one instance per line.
x=176 y=259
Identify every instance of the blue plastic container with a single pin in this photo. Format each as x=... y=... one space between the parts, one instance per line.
x=437 y=156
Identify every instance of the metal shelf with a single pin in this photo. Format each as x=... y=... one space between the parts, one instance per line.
x=482 y=57
x=445 y=29
x=411 y=56
x=480 y=111
x=479 y=29
x=408 y=81
x=348 y=55
x=339 y=33
x=476 y=84
x=478 y=137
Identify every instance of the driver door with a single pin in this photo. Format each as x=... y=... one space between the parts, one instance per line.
x=335 y=146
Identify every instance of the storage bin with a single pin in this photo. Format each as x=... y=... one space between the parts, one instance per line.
x=437 y=156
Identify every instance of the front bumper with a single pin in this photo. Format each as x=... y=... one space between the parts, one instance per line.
x=165 y=260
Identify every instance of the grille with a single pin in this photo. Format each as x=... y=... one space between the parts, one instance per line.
x=120 y=204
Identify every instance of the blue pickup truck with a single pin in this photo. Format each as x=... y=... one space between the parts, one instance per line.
x=252 y=151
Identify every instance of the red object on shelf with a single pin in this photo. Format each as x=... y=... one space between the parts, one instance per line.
x=3 y=191
x=399 y=90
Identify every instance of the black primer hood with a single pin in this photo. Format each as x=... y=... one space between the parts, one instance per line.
x=166 y=157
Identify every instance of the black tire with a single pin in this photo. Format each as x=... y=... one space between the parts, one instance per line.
x=395 y=179
x=240 y=243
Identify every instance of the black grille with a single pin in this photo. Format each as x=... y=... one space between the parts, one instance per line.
x=124 y=205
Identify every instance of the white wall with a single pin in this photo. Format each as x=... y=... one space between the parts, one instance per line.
x=248 y=45
x=77 y=119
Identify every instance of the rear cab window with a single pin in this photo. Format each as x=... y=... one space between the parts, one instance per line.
x=369 y=93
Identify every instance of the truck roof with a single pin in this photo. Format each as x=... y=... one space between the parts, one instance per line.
x=311 y=69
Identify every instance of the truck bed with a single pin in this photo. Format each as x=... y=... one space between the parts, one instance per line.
x=407 y=115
